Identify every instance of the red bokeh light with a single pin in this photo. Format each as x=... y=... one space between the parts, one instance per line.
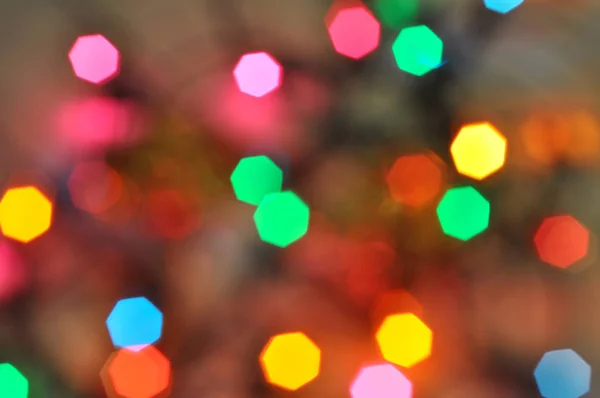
x=94 y=186
x=561 y=241
x=354 y=32
x=94 y=59
x=257 y=74
x=13 y=273
x=171 y=215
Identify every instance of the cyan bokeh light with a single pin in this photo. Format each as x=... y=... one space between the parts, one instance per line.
x=134 y=322
x=502 y=6
x=562 y=374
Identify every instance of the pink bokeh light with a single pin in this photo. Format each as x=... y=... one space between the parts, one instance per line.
x=94 y=59
x=354 y=32
x=381 y=381
x=13 y=275
x=257 y=74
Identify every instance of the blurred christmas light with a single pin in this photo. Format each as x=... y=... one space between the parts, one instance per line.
x=282 y=218
x=354 y=31
x=416 y=180
x=25 y=214
x=463 y=213
x=13 y=273
x=502 y=6
x=134 y=322
x=395 y=13
x=381 y=381
x=12 y=383
x=169 y=214
x=395 y=302
x=257 y=74
x=478 y=150
x=94 y=186
x=418 y=50
x=404 y=339
x=94 y=59
x=561 y=241
x=563 y=374
x=290 y=360
x=254 y=178
x=143 y=373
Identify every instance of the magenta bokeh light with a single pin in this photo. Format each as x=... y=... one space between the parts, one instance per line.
x=13 y=275
x=354 y=32
x=381 y=381
x=257 y=74
x=94 y=59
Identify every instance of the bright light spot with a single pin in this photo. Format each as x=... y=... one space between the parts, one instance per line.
x=94 y=59
x=463 y=213
x=404 y=340
x=561 y=241
x=418 y=50
x=257 y=74
x=502 y=6
x=254 y=178
x=25 y=214
x=381 y=381
x=478 y=150
x=563 y=374
x=12 y=383
x=282 y=218
x=354 y=32
x=290 y=360
x=94 y=186
x=134 y=321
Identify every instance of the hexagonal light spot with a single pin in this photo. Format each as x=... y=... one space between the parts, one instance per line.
x=136 y=374
x=478 y=150
x=12 y=383
x=404 y=339
x=25 y=214
x=354 y=32
x=281 y=218
x=395 y=13
x=562 y=374
x=94 y=59
x=257 y=74
x=381 y=381
x=502 y=6
x=418 y=50
x=254 y=178
x=134 y=322
x=561 y=241
x=290 y=360
x=416 y=180
x=463 y=213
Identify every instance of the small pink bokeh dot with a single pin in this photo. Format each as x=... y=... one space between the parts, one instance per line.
x=94 y=59
x=257 y=74
x=354 y=32
x=381 y=381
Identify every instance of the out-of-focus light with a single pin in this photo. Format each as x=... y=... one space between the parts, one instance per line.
x=25 y=214
x=463 y=213
x=170 y=214
x=254 y=178
x=290 y=360
x=282 y=218
x=12 y=383
x=395 y=302
x=94 y=186
x=381 y=381
x=418 y=50
x=354 y=32
x=416 y=180
x=502 y=6
x=561 y=241
x=257 y=74
x=143 y=373
x=13 y=273
x=394 y=13
x=563 y=374
x=94 y=59
x=134 y=322
x=478 y=150
x=404 y=339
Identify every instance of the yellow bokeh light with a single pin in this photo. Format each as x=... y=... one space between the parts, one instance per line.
x=25 y=214
x=404 y=339
x=478 y=150
x=290 y=360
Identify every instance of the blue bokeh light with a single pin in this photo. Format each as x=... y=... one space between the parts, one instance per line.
x=134 y=322
x=562 y=374
x=502 y=6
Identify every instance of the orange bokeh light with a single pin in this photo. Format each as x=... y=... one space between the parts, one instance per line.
x=395 y=302
x=561 y=241
x=478 y=150
x=94 y=187
x=137 y=374
x=404 y=339
x=25 y=213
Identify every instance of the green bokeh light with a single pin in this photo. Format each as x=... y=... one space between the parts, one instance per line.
x=282 y=218
x=395 y=13
x=254 y=178
x=12 y=383
x=418 y=50
x=463 y=213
